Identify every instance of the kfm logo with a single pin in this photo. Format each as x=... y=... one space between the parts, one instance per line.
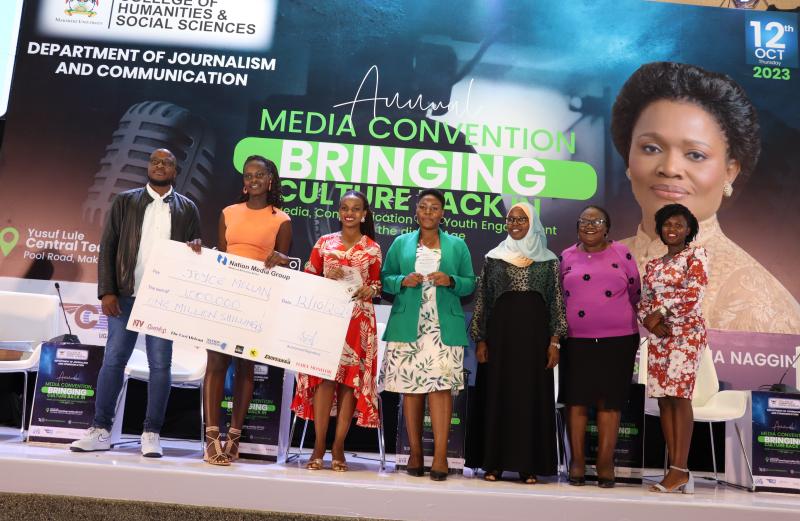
x=138 y=323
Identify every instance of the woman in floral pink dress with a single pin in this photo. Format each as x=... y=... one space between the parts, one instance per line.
x=353 y=257
x=670 y=310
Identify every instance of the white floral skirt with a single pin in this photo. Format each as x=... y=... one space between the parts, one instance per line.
x=426 y=365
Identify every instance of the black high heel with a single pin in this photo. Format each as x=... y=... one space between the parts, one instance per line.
x=417 y=472
x=576 y=481
x=438 y=476
x=605 y=482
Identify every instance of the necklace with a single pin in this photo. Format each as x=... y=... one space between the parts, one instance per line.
x=582 y=247
x=429 y=243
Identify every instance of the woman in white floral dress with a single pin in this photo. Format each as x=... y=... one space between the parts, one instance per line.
x=427 y=271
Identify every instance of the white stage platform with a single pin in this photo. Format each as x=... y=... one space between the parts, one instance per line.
x=181 y=477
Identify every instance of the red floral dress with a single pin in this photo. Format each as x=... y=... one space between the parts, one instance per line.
x=358 y=365
x=677 y=284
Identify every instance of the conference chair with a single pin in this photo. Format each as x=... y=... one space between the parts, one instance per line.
x=27 y=320
x=188 y=370
x=381 y=440
x=709 y=404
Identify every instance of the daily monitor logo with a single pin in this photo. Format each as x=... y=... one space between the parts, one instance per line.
x=81 y=7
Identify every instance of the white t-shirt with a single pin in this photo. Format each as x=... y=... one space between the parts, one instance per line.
x=157 y=224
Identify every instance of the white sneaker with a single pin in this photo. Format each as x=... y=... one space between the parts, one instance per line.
x=95 y=438
x=151 y=445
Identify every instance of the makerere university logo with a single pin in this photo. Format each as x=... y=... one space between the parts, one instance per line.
x=81 y=7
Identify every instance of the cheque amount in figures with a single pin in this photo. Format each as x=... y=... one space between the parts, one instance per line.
x=324 y=305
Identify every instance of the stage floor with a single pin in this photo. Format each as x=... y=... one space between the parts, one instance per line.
x=181 y=477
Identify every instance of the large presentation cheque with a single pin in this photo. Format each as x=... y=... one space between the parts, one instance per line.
x=236 y=306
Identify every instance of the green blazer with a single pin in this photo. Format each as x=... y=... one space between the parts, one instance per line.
x=404 y=318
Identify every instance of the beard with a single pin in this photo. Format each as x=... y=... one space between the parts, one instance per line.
x=159 y=182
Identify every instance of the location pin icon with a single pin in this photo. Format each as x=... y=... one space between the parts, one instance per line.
x=8 y=239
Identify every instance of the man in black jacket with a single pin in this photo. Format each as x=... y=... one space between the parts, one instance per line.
x=138 y=218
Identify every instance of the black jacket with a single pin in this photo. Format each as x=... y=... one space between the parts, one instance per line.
x=119 y=246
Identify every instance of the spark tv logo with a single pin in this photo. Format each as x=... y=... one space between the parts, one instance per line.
x=81 y=7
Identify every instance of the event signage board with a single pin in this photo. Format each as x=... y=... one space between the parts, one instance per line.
x=629 y=451
x=236 y=306
x=262 y=432
x=63 y=403
x=776 y=441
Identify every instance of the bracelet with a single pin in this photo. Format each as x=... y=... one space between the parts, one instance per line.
x=556 y=345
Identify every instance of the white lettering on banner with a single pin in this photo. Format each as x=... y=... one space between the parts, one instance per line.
x=236 y=306
x=231 y=24
x=759 y=359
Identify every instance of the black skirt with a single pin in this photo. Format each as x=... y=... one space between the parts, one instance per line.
x=511 y=425
x=597 y=371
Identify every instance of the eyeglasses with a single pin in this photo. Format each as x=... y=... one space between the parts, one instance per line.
x=424 y=208
x=516 y=220
x=257 y=175
x=593 y=222
x=166 y=162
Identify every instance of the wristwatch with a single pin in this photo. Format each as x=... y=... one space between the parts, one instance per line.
x=663 y=311
x=556 y=345
x=452 y=284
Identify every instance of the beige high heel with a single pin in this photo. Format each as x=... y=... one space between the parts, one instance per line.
x=231 y=448
x=213 y=453
x=687 y=487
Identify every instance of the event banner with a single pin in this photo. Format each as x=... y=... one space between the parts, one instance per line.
x=63 y=404
x=776 y=441
x=236 y=306
x=629 y=451
x=263 y=431
x=456 y=442
x=491 y=103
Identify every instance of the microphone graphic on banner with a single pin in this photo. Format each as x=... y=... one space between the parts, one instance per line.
x=145 y=127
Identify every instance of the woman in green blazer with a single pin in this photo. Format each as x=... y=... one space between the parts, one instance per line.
x=427 y=271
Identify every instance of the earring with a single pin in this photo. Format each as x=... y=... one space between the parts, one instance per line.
x=244 y=190
x=727 y=189
x=628 y=173
x=363 y=220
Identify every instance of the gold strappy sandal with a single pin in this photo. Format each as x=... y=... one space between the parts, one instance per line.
x=339 y=466
x=231 y=448
x=314 y=464
x=213 y=453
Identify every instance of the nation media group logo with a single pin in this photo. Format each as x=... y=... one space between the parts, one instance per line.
x=81 y=7
x=222 y=259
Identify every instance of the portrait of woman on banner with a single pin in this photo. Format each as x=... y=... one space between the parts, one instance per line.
x=687 y=135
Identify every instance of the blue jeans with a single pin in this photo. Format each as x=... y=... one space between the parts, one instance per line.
x=119 y=346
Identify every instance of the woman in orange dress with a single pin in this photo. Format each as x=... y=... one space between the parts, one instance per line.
x=255 y=228
x=352 y=256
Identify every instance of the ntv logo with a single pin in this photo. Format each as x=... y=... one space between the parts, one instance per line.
x=81 y=7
